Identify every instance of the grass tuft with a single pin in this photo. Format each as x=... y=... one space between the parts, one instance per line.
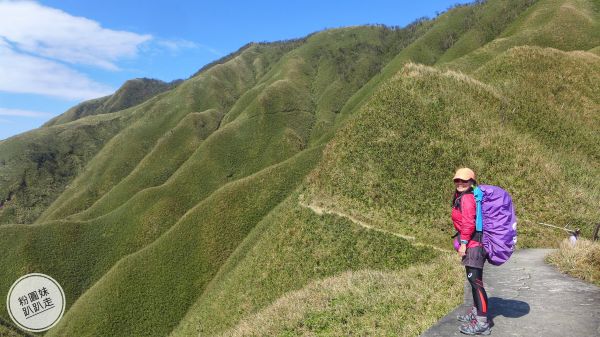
x=362 y=302
x=581 y=260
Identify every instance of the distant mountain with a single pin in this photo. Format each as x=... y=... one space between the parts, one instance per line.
x=132 y=93
x=303 y=187
x=37 y=165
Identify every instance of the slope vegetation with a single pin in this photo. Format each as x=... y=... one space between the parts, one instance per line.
x=267 y=125
x=36 y=166
x=132 y=93
x=292 y=187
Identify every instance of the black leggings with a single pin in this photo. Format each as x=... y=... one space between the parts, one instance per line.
x=480 y=299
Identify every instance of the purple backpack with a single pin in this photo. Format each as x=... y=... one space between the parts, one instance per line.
x=496 y=218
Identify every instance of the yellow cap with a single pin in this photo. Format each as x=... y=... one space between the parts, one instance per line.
x=464 y=173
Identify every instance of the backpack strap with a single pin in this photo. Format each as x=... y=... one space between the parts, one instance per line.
x=478 y=194
x=478 y=235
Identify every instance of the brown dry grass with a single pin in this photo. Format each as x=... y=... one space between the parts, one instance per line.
x=581 y=260
x=364 y=302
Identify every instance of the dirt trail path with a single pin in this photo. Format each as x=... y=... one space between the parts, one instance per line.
x=321 y=210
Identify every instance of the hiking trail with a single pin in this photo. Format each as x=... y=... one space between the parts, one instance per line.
x=320 y=210
x=529 y=298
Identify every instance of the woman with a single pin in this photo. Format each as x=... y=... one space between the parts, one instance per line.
x=471 y=251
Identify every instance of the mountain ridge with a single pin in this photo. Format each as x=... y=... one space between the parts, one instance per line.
x=198 y=192
x=131 y=93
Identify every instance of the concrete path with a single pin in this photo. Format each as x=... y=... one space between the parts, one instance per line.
x=529 y=298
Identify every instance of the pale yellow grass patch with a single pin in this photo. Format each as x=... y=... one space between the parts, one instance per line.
x=581 y=260
x=419 y=70
x=363 y=302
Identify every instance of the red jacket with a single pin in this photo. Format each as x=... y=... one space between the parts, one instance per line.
x=464 y=219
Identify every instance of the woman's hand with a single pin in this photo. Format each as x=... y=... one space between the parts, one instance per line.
x=462 y=250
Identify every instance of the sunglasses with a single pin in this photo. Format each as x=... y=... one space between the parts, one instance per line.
x=461 y=181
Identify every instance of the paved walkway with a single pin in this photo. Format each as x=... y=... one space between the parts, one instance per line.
x=528 y=298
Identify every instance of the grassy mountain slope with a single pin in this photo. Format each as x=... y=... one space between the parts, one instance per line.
x=131 y=93
x=360 y=172
x=218 y=89
x=101 y=243
x=265 y=132
x=174 y=148
x=359 y=175
x=288 y=88
x=262 y=135
x=36 y=166
x=453 y=34
x=416 y=122
x=561 y=108
x=39 y=164
x=364 y=302
x=7 y=332
x=563 y=24
x=316 y=171
x=290 y=247
x=196 y=245
x=282 y=112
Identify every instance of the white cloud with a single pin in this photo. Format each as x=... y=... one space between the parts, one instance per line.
x=38 y=43
x=176 y=45
x=40 y=47
x=52 y=33
x=23 y=113
x=20 y=73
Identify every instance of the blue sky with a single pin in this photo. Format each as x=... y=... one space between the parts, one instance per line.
x=55 y=54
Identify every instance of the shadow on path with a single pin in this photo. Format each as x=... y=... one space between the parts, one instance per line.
x=529 y=298
x=506 y=308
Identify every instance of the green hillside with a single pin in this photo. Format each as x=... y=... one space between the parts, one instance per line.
x=36 y=166
x=133 y=92
x=303 y=187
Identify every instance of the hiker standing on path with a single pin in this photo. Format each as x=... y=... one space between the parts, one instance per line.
x=471 y=251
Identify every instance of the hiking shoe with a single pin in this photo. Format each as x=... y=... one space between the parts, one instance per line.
x=469 y=316
x=476 y=327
